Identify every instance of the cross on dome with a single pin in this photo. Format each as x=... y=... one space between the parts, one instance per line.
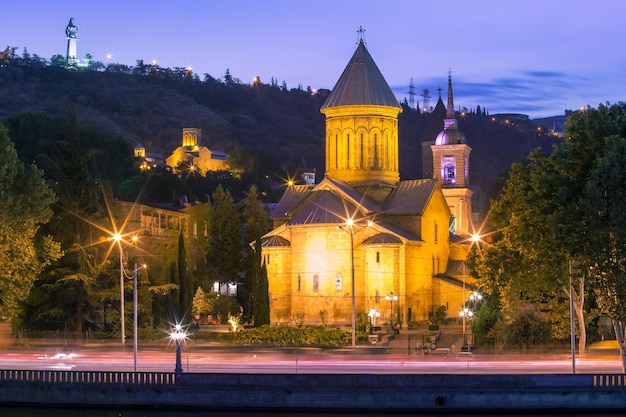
x=361 y=33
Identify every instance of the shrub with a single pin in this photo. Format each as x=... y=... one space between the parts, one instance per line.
x=293 y=336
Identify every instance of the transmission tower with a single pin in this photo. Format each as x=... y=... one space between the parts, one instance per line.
x=425 y=97
x=412 y=94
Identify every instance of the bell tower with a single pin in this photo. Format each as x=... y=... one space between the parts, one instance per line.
x=451 y=168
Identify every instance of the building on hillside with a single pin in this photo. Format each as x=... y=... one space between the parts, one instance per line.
x=362 y=234
x=148 y=160
x=193 y=156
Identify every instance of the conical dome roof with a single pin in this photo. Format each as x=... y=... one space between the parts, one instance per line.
x=361 y=84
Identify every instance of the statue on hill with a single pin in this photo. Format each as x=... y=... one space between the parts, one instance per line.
x=71 y=31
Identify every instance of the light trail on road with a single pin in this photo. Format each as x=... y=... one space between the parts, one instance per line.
x=276 y=361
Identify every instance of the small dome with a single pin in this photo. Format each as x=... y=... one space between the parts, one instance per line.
x=450 y=135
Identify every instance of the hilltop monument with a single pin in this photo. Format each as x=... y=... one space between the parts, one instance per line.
x=71 y=34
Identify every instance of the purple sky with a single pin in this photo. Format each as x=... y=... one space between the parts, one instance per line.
x=537 y=57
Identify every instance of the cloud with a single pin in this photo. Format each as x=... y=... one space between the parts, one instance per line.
x=533 y=92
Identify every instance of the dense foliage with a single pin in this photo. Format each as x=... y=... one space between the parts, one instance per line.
x=561 y=217
x=25 y=201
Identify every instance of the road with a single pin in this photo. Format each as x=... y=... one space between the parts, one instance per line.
x=302 y=361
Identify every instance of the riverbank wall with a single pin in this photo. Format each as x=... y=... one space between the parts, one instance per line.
x=407 y=393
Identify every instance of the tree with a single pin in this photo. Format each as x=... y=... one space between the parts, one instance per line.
x=224 y=256
x=606 y=215
x=25 y=201
x=568 y=206
x=256 y=223
x=78 y=283
x=186 y=290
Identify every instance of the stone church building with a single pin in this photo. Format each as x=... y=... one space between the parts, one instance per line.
x=361 y=234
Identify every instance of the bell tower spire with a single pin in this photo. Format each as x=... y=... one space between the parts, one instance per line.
x=450 y=108
x=451 y=168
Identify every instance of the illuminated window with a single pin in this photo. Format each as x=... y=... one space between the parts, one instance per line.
x=348 y=149
x=377 y=296
x=449 y=174
x=361 y=152
x=338 y=282
x=336 y=151
x=316 y=282
x=375 y=164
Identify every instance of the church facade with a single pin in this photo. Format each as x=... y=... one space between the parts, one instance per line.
x=191 y=155
x=361 y=236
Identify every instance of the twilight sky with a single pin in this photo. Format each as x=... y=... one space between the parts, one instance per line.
x=537 y=57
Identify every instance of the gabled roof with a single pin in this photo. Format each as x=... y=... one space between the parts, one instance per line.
x=381 y=239
x=350 y=193
x=293 y=194
x=361 y=83
x=322 y=207
x=410 y=197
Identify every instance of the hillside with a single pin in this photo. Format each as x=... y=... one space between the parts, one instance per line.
x=267 y=129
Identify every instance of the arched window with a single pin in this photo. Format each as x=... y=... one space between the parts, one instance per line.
x=348 y=150
x=336 y=151
x=361 y=160
x=449 y=174
x=375 y=162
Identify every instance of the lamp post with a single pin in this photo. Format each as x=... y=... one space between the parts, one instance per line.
x=178 y=334
x=117 y=237
x=353 y=320
x=349 y=228
x=391 y=297
x=135 y=317
x=465 y=313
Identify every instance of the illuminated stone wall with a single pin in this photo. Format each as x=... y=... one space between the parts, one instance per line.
x=362 y=143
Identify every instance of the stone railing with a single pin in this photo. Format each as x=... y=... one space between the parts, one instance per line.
x=88 y=377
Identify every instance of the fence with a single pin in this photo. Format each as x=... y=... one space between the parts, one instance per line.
x=88 y=377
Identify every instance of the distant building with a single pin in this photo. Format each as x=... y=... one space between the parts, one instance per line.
x=148 y=160
x=192 y=156
x=308 y=176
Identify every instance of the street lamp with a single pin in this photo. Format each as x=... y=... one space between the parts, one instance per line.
x=373 y=315
x=178 y=334
x=391 y=297
x=349 y=228
x=117 y=237
x=465 y=313
x=135 y=314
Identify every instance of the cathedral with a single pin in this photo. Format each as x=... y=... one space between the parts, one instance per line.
x=362 y=240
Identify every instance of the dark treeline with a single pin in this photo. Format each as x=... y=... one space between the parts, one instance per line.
x=269 y=131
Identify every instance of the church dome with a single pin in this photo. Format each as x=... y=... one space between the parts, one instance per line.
x=450 y=135
x=361 y=83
